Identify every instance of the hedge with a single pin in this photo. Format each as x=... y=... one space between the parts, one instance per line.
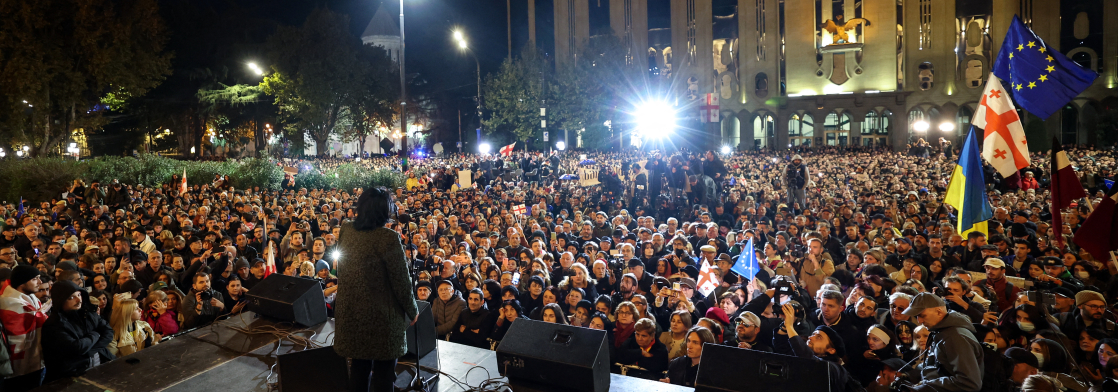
x=42 y=179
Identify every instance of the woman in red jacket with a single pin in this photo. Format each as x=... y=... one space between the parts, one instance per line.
x=158 y=315
x=1029 y=182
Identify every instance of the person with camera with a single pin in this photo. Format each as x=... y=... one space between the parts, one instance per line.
x=954 y=358
x=795 y=179
x=1056 y=274
x=202 y=304
x=1004 y=292
x=824 y=344
x=955 y=293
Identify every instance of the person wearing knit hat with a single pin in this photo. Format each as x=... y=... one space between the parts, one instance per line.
x=64 y=333
x=1091 y=313
x=23 y=318
x=823 y=345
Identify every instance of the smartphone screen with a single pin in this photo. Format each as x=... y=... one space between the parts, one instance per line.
x=515 y=278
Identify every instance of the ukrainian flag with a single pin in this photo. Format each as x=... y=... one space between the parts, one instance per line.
x=967 y=190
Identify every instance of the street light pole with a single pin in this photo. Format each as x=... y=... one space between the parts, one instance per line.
x=462 y=44
x=403 y=95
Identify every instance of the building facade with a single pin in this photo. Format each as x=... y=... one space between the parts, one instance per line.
x=852 y=72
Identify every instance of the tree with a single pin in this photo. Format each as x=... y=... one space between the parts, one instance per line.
x=317 y=75
x=72 y=60
x=372 y=106
x=513 y=95
x=231 y=100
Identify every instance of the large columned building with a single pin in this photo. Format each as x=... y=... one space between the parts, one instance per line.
x=845 y=72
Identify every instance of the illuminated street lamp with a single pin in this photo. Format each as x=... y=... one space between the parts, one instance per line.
x=946 y=127
x=255 y=69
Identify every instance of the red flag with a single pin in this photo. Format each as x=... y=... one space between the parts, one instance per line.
x=507 y=150
x=1099 y=233
x=708 y=280
x=1065 y=188
x=182 y=188
x=1003 y=144
x=269 y=259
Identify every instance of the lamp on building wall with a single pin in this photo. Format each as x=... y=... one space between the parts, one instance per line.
x=946 y=127
x=655 y=119
x=920 y=126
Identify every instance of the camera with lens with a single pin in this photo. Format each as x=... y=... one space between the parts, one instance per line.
x=940 y=292
x=206 y=295
x=1042 y=298
x=784 y=287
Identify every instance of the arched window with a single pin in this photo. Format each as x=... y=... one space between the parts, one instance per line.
x=801 y=129
x=1069 y=125
x=871 y=123
x=764 y=130
x=962 y=120
x=837 y=128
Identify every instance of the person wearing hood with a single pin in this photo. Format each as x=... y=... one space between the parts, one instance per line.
x=1055 y=361
x=795 y=180
x=954 y=358
x=474 y=323
x=446 y=307
x=73 y=341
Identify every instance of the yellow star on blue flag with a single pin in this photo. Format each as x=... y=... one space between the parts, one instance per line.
x=1032 y=63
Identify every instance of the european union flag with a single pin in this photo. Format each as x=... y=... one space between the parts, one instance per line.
x=1042 y=80
x=746 y=266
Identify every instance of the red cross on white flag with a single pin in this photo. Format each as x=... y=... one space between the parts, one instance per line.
x=708 y=109
x=708 y=279
x=520 y=210
x=1003 y=142
x=507 y=150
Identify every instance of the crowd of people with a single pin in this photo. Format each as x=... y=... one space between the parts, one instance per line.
x=859 y=263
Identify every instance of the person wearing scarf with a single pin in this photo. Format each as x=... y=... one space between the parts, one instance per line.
x=626 y=319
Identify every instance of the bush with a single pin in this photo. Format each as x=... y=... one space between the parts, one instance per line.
x=43 y=179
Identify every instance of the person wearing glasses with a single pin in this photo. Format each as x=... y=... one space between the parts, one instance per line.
x=1090 y=312
x=8 y=256
x=746 y=334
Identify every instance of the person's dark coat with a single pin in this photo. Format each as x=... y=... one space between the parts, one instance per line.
x=954 y=357
x=71 y=339
x=376 y=302
x=797 y=345
x=481 y=320
x=680 y=371
x=630 y=354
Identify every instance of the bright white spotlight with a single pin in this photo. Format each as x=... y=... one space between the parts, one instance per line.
x=336 y=255
x=920 y=126
x=947 y=127
x=655 y=119
x=726 y=150
x=462 y=44
x=560 y=145
x=483 y=148
x=457 y=35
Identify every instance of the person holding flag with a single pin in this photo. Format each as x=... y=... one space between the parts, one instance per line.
x=1064 y=186
x=967 y=189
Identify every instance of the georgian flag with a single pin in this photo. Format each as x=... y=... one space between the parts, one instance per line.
x=1003 y=143
x=507 y=150
x=708 y=280
x=520 y=210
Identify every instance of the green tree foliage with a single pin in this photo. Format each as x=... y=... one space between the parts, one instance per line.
x=69 y=59
x=513 y=96
x=581 y=94
x=372 y=104
x=325 y=78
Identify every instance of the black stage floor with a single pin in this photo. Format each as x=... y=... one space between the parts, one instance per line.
x=219 y=358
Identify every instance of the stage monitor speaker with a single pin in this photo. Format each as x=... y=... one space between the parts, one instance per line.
x=426 y=326
x=289 y=299
x=725 y=368
x=314 y=370
x=556 y=355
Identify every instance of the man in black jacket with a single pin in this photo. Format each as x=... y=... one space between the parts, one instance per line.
x=475 y=322
x=823 y=345
x=73 y=341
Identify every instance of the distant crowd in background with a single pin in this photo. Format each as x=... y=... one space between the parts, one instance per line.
x=858 y=263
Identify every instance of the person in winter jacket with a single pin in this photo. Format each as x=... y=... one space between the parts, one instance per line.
x=475 y=323
x=163 y=320
x=23 y=317
x=131 y=333
x=954 y=359
x=73 y=341
x=446 y=308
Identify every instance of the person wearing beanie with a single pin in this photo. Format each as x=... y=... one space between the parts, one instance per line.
x=1090 y=312
x=23 y=317
x=73 y=341
x=823 y=345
